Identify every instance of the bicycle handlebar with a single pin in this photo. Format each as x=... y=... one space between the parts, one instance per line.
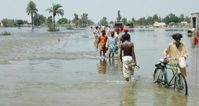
x=137 y=66
x=167 y=60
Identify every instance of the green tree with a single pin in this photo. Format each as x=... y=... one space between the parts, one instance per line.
x=90 y=22
x=31 y=10
x=130 y=23
x=39 y=19
x=188 y=19
x=8 y=22
x=171 y=18
x=55 y=10
x=103 y=21
x=142 y=21
x=84 y=19
x=156 y=18
x=18 y=23
x=133 y=21
x=49 y=21
x=150 y=20
x=63 y=21
x=124 y=21
x=76 y=20
x=181 y=18
x=4 y=22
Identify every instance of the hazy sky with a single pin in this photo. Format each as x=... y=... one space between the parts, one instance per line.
x=96 y=9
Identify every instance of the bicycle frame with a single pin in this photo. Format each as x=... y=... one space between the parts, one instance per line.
x=175 y=70
x=160 y=76
x=168 y=67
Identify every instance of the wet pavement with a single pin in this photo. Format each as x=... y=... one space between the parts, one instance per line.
x=40 y=68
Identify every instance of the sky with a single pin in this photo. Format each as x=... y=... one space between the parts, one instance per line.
x=96 y=9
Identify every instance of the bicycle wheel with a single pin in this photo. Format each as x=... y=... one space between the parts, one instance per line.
x=157 y=75
x=181 y=83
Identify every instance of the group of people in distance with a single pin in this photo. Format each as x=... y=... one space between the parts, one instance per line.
x=120 y=44
x=106 y=40
x=117 y=43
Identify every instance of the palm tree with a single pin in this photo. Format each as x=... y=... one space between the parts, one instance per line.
x=31 y=10
x=55 y=10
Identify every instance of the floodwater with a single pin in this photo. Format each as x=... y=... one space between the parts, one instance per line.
x=39 y=68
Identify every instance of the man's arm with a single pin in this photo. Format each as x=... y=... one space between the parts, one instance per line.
x=184 y=51
x=166 y=52
x=121 y=49
x=133 y=54
x=98 y=41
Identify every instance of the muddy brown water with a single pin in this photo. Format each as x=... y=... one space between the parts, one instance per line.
x=39 y=68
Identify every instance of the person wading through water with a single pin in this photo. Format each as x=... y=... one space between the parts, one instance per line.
x=127 y=57
x=101 y=45
x=176 y=52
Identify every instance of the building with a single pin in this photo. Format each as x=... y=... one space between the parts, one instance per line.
x=159 y=24
x=195 y=21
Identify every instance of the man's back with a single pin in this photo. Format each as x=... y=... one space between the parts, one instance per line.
x=127 y=48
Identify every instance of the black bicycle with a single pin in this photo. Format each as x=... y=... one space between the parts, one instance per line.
x=168 y=75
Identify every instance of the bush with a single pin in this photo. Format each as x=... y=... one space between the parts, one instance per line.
x=51 y=29
x=5 y=33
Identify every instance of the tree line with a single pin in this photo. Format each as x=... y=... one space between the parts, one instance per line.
x=41 y=20
x=170 y=18
x=83 y=20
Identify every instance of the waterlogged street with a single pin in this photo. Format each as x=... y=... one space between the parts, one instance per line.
x=39 y=68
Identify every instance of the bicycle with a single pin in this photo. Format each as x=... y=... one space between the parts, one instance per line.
x=177 y=80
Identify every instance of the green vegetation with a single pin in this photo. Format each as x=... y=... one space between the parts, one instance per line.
x=39 y=20
x=31 y=10
x=63 y=21
x=171 y=18
x=13 y=23
x=83 y=19
x=103 y=21
x=69 y=27
x=76 y=20
x=55 y=10
x=5 y=33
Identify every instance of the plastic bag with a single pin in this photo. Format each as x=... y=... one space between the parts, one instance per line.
x=182 y=62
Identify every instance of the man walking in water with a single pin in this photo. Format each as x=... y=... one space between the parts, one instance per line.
x=177 y=53
x=111 y=44
x=127 y=57
x=125 y=30
x=101 y=45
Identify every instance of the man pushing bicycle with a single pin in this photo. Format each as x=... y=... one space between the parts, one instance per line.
x=177 y=53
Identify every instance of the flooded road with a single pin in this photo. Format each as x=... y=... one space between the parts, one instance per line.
x=40 y=68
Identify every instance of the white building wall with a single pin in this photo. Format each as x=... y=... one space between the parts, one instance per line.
x=196 y=16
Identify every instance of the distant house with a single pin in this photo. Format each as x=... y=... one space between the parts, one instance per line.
x=159 y=24
x=184 y=24
x=195 y=21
